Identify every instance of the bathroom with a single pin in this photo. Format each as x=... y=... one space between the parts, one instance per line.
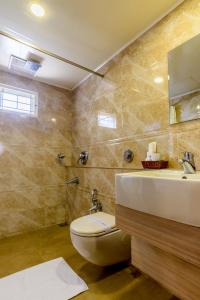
x=94 y=90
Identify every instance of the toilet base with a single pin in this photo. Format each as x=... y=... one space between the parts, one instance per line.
x=104 y=250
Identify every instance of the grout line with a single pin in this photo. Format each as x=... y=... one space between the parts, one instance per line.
x=35 y=186
x=105 y=168
x=134 y=138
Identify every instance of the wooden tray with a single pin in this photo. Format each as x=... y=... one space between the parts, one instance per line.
x=161 y=164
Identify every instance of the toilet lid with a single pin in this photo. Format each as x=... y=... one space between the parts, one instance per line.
x=93 y=224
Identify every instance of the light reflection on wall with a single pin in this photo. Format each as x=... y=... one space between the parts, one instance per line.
x=107 y=120
x=1 y=149
x=198 y=109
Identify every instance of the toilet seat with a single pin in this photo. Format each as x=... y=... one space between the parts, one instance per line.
x=94 y=225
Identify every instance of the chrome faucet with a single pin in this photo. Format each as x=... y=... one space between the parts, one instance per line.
x=96 y=204
x=187 y=163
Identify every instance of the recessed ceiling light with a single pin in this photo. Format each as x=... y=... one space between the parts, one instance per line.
x=158 y=79
x=37 y=10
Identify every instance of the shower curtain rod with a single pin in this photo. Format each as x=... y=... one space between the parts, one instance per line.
x=65 y=60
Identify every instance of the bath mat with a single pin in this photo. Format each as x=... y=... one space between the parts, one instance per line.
x=52 y=280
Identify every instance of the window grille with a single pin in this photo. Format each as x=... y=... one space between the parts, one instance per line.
x=18 y=100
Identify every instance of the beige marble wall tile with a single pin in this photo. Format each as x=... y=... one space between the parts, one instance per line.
x=56 y=215
x=21 y=221
x=91 y=178
x=140 y=107
x=28 y=198
x=32 y=193
x=78 y=202
x=110 y=154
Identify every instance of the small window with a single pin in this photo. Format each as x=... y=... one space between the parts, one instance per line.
x=107 y=120
x=18 y=100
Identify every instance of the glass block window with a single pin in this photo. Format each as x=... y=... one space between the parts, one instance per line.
x=18 y=100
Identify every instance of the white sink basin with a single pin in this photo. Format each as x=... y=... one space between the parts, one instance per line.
x=163 y=193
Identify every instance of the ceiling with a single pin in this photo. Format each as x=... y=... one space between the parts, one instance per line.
x=88 y=32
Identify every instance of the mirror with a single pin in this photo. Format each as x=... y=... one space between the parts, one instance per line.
x=184 y=81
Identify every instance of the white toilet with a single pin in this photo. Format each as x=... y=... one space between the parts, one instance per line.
x=99 y=241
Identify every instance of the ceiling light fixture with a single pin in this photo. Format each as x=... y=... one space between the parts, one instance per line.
x=158 y=79
x=37 y=10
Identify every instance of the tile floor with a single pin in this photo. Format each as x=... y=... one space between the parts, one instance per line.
x=113 y=283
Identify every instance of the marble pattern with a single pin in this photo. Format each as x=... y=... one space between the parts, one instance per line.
x=129 y=94
x=32 y=191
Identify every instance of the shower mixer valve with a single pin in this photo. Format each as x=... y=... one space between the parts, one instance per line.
x=83 y=157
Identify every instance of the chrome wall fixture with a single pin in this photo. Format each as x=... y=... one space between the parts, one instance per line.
x=187 y=162
x=74 y=180
x=65 y=60
x=96 y=204
x=60 y=156
x=83 y=158
x=128 y=155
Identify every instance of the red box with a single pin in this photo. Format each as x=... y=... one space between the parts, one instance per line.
x=161 y=164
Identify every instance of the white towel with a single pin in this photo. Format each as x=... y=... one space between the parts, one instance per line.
x=53 y=280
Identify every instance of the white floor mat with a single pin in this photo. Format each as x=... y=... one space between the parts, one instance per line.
x=52 y=280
